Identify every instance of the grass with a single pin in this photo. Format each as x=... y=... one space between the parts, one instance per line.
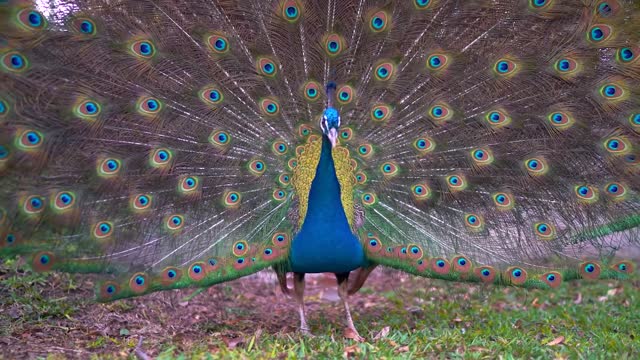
x=52 y=316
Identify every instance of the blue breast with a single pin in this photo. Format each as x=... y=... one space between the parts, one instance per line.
x=325 y=242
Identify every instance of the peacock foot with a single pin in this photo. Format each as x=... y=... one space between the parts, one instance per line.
x=352 y=333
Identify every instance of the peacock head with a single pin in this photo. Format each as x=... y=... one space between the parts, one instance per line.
x=330 y=123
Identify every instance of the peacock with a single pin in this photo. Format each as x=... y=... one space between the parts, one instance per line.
x=166 y=144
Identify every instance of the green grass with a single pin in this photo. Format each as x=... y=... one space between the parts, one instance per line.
x=426 y=319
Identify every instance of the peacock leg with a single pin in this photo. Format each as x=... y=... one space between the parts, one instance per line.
x=361 y=276
x=298 y=288
x=343 y=292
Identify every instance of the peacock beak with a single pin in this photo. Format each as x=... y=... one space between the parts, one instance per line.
x=333 y=136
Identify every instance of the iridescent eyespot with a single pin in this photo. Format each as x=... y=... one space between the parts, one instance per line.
x=266 y=67
x=102 y=229
x=188 y=184
x=586 y=193
x=269 y=107
x=503 y=201
x=279 y=147
x=311 y=91
x=474 y=222
x=553 y=279
x=43 y=261
x=368 y=199
x=109 y=167
x=148 y=106
x=231 y=198
x=257 y=167
x=607 y=8
x=217 y=43
x=440 y=112
x=84 y=26
x=333 y=44
x=141 y=202
x=456 y=182
x=497 y=118
x=109 y=289
x=29 y=140
x=304 y=130
x=617 y=145
x=279 y=194
x=566 y=66
x=88 y=110
x=422 y=4
x=31 y=20
x=538 y=5
x=4 y=108
x=174 y=222
x=4 y=155
x=384 y=71
x=516 y=275
x=482 y=156
x=505 y=67
x=284 y=179
x=379 y=22
x=424 y=145
x=421 y=191
x=413 y=251
x=365 y=150
x=345 y=94
x=33 y=204
x=625 y=267
x=437 y=62
x=138 y=283
x=440 y=266
x=544 y=230
x=15 y=62
x=599 y=33
x=612 y=91
x=170 y=275
x=461 y=264
x=590 y=270
x=143 y=49
x=389 y=169
x=197 y=271
x=485 y=273
x=160 y=158
x=361 y=178
x=280 y=239
x=627 y=55
x=616 y=190
x=219 y=138
x=240 y=248
x=560 y=120
x=211 y=95
x=290 y=11
x=381 y=112
x=536 y=166
x=292 y=163
x=63 y=200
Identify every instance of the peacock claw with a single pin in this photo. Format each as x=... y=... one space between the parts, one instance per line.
x=306 y=333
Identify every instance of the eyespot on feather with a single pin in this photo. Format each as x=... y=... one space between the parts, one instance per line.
x=379 y=21
x=486 y=273
x=217 y=43
x=516 y=275
x=143 y=49
x=197 y=271
x=43 y=261
x=170 y=275
x=440 y=266
x=280 y=240
x=589 y=270
x=139 y=283
x=461 y=264
x=552 y=278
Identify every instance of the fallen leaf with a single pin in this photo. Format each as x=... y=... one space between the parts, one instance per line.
x=402 y=349
x=351 y=351
x=477 y=349
x=383 y=333
x=556 y=341
x=578 y=299
x=350 y=334
x=535 y=304
x=232 y=343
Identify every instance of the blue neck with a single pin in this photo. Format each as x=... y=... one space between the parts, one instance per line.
x=325 y=242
